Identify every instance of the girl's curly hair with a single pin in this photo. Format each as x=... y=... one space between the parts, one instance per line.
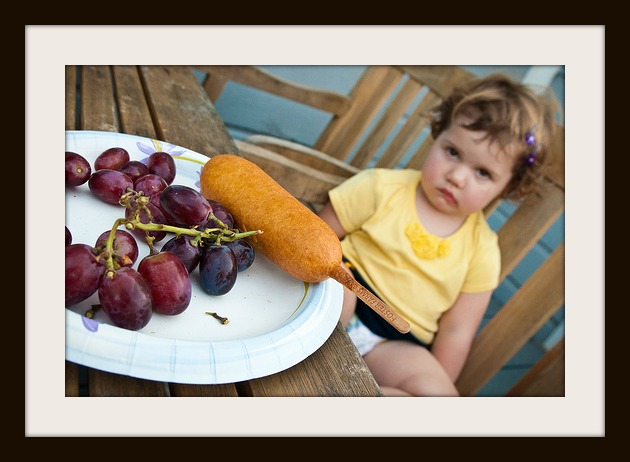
x=507 y=111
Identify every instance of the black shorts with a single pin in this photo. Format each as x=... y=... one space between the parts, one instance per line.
x=373 y=321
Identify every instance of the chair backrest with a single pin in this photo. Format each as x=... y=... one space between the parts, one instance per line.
x=384 y=122
x=386 y=102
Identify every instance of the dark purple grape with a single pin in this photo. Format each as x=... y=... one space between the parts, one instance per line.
x=162 y=164
x=125 y=247
x=217 y=269
x=109 y=185
x=157 y=217
x=184 y=206
x=68 y=237
x=171 y=289
x=126 y=298
x=111 y=159
x=222 y=214
x=182 y=248
x=135 y=169
x=84 y=271
x=78 y=169
x=150 y=184
x=244 y=253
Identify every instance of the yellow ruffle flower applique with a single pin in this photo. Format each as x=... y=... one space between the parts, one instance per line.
x=426 y=245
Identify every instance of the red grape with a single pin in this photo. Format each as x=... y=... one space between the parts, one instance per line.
x=109 y=185
x=162 y=164
x=181 y=247
x=111 y=159
x=155 y=200
x=84 y=271
x=168 y=278
x=150 y=184
x=125 y=247
x=78 y=169
x=217 y=269
x=68 y=237
x=184 y=206
x=135 y=169
x=157 y=217
x=126 y=298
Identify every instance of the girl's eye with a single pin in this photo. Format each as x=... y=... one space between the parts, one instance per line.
x=484 y=173
x=452 y=152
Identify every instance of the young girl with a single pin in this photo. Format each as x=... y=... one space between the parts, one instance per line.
x=419 y=239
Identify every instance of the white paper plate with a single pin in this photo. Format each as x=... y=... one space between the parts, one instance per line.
x=275 y=320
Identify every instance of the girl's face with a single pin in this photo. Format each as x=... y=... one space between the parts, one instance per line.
x=464 y=172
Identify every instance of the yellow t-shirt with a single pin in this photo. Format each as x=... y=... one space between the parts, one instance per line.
x=416 y=273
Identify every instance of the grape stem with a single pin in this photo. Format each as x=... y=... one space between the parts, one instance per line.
x=109 y=244
x=221 y=319
x=225 y=234
x=137 y=201
x=214 y=218
x=92 y=311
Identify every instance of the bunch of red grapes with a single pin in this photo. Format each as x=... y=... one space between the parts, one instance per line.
x=205 y=237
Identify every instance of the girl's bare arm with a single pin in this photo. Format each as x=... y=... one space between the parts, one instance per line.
x=457 y=329
x=327 y=213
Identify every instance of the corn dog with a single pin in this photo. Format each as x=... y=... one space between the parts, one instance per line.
x=293 y=237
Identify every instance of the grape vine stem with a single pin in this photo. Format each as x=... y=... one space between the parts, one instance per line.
x=136 y=202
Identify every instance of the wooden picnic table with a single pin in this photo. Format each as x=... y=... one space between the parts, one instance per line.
x=167 y=103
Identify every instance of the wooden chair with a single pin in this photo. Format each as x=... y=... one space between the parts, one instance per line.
x=383 y=123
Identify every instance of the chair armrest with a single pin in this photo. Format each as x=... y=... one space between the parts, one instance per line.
x=304 y=155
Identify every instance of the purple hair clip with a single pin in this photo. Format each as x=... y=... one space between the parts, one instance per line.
x=530 y=140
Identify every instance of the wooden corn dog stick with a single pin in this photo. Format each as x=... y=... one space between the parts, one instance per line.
x=399 y=323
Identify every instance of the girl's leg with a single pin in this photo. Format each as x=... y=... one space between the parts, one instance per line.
x=402 y=368
x=415 y=372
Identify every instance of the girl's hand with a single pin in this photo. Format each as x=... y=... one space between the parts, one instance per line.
x=457 y=329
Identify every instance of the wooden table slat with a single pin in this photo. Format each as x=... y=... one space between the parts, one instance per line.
x=192 y=122
x=106 y=384
x=324 y=373
x=98 y=109
x=71 y=97
x=221 y=390
x=72 y=379
x=135 y=116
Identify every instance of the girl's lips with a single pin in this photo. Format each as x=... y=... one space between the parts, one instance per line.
x=448 y=196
